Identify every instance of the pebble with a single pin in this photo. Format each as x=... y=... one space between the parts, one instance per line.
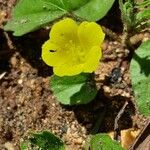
x=78 y=141
x=125 y=94
x=14 y=61
x=118 y=50
x=9 y=146
x=75 y=135
x=2 y=16
x=120 y=55
x=126 y=51
x=104 y=46
x=83 y=129
x=73 y=127
x=106 y=89
x=20 y=81
x=53 y=104
x=45 y=120
x=145 y=39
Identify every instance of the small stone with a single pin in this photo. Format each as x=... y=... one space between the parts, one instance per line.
x=9 y=146
x=117 y=50
x=45 y=121
x=68 y=131
x=83 y=129
x=53 y=104
x=78 y=141
x=120 y=55
x=115 y=43
x=125 y=94
x=75 y=135
x=20 y=81
x=83 y=142
x=73 y=127
x=104 y=46
x=106 y=89
x=145 y=39
x=126 y=51
x=24 y=69
x=14 y=61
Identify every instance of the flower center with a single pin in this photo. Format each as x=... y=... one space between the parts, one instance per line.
x=77 y=51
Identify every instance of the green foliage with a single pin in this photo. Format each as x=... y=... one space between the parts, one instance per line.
x=24 y=146
x=94 y=9
x=145 y=3
x=73 y=90
x=30 y=15
x=129 y=15
x=140 y=74
x=143 y=16
x=102 y=141
x=44 y=140
x=135 y=16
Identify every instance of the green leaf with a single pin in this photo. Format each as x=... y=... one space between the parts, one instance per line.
x=67 y=5
x=46 y=141
x=94 y=10
x=24 y=146
x=140 y=75
x=71 y=5
x=30 y=15
x=71 y=90
x=103 y=141
x=146 y=3
x=143 y=15
x=127 y=15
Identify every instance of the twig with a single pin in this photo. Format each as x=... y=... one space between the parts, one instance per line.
x=142 y=141
x=116 y=126
x=9 y=41
x=2 y=75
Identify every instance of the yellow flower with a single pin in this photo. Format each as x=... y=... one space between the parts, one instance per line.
x=73 y=48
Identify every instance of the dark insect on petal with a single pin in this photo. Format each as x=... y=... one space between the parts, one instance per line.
x=52 y=50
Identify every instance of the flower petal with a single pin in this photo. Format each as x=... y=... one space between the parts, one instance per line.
x=73 y=49
x=64 y=31
x=53 y=56
x=93 y=58
x=68 y=70
x=90 y=34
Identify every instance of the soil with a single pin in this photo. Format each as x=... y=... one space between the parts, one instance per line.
x=28 y=104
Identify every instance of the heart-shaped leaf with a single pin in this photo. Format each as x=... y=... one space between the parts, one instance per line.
x=94 y=10
x=140 y=75
x=30 y=15
x=103 y=142
x=46 y=141
x=73 y=90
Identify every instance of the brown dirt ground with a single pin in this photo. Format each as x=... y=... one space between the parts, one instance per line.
x=28 y=104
